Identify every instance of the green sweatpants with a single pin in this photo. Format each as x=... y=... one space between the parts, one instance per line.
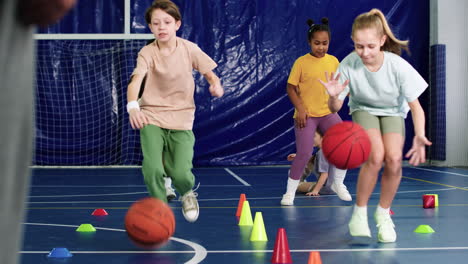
x=176 y=148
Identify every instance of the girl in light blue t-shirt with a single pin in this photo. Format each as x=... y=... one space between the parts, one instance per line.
x=382 y=88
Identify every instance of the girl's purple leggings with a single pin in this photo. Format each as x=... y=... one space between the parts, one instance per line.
x=305 y=141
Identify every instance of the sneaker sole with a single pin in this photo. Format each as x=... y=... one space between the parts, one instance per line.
x=190 y=220
x=360 y=235
x=362 y=240
x=170 y=197
x=347 y=199
x=354 y=234
x=386 y=241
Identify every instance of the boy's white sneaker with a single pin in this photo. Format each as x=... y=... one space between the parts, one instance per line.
x=386 y=233
x=288 y=199
x=190 y=206
x=342 y=192
x=170 y=193
x=358 y=225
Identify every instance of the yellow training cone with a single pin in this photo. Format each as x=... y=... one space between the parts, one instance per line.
x=424 y=229
x=258 y=230
x=246 y=215
x=86 y=228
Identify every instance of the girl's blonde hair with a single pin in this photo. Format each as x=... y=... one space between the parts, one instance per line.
x=376 y=19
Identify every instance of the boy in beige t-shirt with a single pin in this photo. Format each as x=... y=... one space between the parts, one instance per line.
x=166 y=111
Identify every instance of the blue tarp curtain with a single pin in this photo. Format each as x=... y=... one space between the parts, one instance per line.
x=254 y=43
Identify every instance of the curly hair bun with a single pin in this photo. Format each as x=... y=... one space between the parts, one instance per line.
x=325 y=21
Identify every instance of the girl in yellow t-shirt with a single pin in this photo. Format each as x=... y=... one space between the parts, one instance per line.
x=310 y=100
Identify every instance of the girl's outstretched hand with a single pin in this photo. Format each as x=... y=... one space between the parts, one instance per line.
x=334 y=88
x=417 y=153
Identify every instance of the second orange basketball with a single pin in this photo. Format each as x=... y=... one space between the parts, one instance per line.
x=346 y=145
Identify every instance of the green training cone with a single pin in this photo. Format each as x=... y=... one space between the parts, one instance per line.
x=86 y=228
x=424 y=229
x=246 y=215
x=258 y=230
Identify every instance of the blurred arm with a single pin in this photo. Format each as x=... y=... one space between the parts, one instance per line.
x=43 y=12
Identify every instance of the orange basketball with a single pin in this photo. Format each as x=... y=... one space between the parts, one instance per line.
x=346 y=145
x=149 y=222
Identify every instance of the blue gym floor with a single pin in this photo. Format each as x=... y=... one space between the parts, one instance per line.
x=62 y=199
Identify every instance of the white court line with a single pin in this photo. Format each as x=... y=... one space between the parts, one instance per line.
x=111 y=194
x=259 y=251
x=234 y=199
x=237 y=177
x=88 y=186
x=83 y=195
x=120 y=186
x=200 y=252
x=340 y=250
x=446 y=172
x=89 y=36
x=114 y=252
x=80 y=202
x=427 y=190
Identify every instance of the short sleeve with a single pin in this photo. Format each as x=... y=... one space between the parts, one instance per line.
x=295 y=74
x=142 y=65
x=322 y=163
x=201 y=61
x=412 y=84
x=335 y=62
x=344 y=75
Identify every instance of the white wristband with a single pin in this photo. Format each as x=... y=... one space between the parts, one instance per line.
x=131 y=105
